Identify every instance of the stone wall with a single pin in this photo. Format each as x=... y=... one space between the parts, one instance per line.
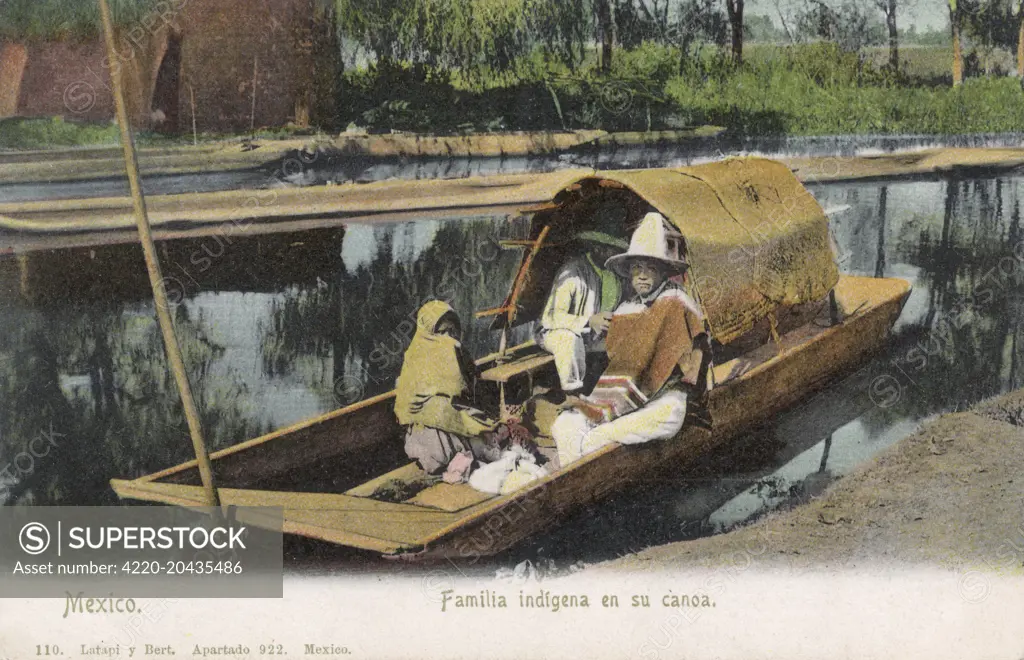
x=66 y=78
x=220 y=42
x=223 y=42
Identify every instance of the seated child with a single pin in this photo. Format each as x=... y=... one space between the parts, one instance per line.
x=444 y=435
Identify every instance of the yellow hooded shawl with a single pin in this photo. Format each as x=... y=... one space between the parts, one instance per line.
x=434 y=372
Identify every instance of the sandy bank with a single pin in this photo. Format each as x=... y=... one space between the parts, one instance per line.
x=950 y=495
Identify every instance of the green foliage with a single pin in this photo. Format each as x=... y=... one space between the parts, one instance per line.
x=464 y=34
x=802 y=90
x=687 y=23
x=21 y=133
x=850 y=25
x=824 y=63
x=651 y=62
x=992 y=22
x=761 y=29
x=402 y=96
x=543 y=94
x=27 y=20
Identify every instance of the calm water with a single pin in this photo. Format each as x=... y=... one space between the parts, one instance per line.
x=279 y=328
x=324 y=168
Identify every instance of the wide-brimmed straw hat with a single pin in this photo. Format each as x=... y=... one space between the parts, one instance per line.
x=653 y=240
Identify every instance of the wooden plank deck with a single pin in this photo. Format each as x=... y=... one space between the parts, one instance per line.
x=405 y=473
x=357 y=521
x=450 y=497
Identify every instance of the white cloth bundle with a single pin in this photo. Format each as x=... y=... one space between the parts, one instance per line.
x=516 y=468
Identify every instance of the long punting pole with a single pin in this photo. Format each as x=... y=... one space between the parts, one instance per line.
x=153 y=266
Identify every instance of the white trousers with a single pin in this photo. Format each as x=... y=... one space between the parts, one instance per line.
x=576 y=436
x=570 y=352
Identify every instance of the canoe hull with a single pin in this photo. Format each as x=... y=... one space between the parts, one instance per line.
x=750 y=389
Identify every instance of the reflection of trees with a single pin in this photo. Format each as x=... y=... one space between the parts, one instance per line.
x=966 y=348
x=940 y=260
x=300 y=334
x=127 y=419
x=883 y=209
x=365 y=318
x=464 y=265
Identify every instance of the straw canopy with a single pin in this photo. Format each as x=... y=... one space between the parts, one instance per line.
x=754 y=238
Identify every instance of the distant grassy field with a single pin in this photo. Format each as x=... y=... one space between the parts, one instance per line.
x=818 y=89
x=923 y=64
x=934 y=62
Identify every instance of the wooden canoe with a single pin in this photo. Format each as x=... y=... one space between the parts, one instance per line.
x=322 y=471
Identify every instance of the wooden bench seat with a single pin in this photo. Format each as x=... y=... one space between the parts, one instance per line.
x=526 y=364
x=521 y=365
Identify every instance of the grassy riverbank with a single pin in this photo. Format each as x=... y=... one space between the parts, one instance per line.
x=41 y=133
x=949 y=495
x=819 y=90
x=54 y=133
x=810 y=89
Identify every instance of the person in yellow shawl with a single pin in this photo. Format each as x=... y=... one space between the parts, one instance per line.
x=658 y=353
x=444 y=434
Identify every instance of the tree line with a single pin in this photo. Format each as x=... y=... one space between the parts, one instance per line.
x=492 y=35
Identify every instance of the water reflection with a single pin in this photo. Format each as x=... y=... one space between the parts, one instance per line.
x=340 y=166
x=94 y=377
x=959 y=242
x=280 y=328
x=275 y=329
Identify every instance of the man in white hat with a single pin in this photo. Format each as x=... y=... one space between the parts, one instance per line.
x=576 y=316
x=658 y=352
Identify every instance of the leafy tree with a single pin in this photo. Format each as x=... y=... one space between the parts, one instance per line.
x=701 y=21
x=735 y=10
x=888 y=8
x=995 y=24
x=955 y=15
x=636 y=21
x=464 y=34
x=681 y=26
x=848 y=24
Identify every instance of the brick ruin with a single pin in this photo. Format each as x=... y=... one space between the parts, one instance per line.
x=186 y=58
